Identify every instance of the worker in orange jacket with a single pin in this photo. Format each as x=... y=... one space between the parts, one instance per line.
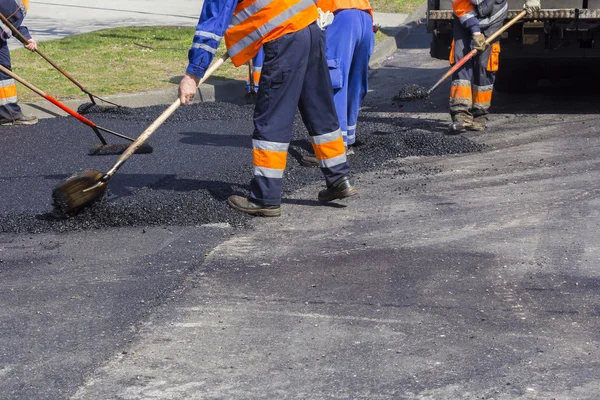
x=294 y=76
x=10 y=111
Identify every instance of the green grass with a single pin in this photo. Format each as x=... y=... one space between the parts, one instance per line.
x=112 y=61
x=395 y=6
x=129 y=60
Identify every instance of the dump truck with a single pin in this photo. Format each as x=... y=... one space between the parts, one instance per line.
x=563 y=33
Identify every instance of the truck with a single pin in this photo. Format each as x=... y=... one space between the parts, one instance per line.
x=564 y=33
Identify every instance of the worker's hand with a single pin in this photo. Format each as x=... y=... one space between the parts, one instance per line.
x=31 y=45
x=532 y=6
x=188 y=87
x=478 y=42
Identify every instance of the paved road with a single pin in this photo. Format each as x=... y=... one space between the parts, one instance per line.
x=449 y=277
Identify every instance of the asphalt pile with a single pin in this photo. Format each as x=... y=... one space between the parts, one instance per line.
x=412 y=92
x=181 y=201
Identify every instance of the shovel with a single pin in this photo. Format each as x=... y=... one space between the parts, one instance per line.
x=415 y=92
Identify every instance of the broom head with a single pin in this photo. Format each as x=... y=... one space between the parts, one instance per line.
x=69 y=197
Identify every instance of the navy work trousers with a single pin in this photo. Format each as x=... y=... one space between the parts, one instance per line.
x=294 y=76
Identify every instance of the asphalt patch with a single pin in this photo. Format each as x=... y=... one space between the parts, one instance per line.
x=412 y=92
x=174 y=200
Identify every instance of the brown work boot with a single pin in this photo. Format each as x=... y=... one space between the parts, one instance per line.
x=460 y=123
x=479 y=123
x=309 y=160
x=244 y=204
x=21 y=119
x=340 y=189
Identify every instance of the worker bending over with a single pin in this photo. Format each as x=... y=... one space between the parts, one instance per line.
x=473 y=83
x=294 y=75
x=10 y=111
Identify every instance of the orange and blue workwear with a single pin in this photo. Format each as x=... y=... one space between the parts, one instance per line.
x=14 y=11
x=294 y=76
x=472 y=85
x=350 y=42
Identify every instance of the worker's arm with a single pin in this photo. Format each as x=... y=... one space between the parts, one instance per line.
x=467 y=15
x=15 y=15
x=214 y=20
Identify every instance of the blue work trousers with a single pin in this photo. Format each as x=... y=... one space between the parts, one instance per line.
x=294 y=76
x=350 y=42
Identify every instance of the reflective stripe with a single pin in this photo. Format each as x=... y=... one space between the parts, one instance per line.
x=271 y=146
x=344 y=133
x=7 y=82
x=204 y=47
x=209 y=35
x=269 y=26
x=332 y=162
x=249 y=11
x=461 y=82
x=499 y=15
x=8 y=100
x=352 y=128
x=466 y=16
x=257 y=69
x=328 y=137
x=268 y=172
x=486 y=88
x=6 y=30
x=8 y=92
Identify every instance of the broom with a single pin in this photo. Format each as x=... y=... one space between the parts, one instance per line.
x=101 y=150
x=89 y=186
x=23 y=39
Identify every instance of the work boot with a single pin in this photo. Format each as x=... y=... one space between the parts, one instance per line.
x=309 y=160
x=21 y=119
x=340 y=189
x=479 y=123
x=350 y=150
x=460 y=123
x=244 y=204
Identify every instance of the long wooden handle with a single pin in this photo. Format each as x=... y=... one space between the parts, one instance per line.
x=158 y=122
x=472 y=53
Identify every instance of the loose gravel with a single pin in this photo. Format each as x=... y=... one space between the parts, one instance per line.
x=184 y=202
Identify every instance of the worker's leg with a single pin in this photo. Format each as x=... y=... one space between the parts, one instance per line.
x=484 y=76
x=318 y=113
x=341 y=38
x=461 y=96
x=359 y=70
x=9 y=109
x=280 y=87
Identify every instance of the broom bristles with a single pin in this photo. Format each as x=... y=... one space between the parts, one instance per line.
x=69 y=197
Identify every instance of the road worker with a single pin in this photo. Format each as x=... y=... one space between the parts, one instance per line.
x=294 y=76
x=254 y=77
x=472 y=85
x=10 y=111
x=350 y=42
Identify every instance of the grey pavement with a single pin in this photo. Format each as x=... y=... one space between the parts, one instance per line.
x=467 y=276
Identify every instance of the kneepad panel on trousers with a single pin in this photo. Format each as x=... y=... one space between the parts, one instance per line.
x=494 y=59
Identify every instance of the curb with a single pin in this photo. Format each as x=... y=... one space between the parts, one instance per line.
x=231 y=91
x=389 y=45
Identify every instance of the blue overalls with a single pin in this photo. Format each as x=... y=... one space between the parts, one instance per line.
x=350 y=42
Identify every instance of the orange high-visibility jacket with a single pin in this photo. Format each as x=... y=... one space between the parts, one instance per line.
x=256 y=22
x=335 y=5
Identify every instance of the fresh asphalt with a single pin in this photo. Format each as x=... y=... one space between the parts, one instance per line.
x=467 y=273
